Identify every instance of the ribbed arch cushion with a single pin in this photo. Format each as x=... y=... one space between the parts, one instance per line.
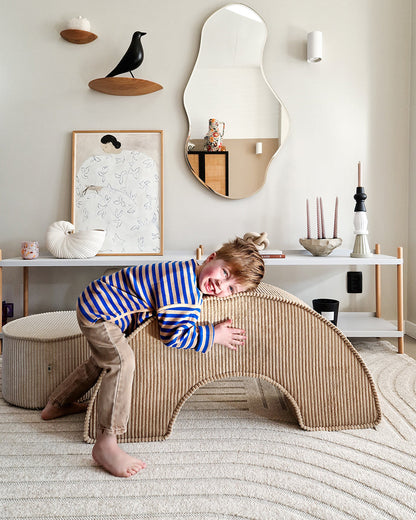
x=288 y=344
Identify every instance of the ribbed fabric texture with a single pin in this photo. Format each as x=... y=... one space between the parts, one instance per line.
x=288 y=344
x=47 y=326
x=39 y=351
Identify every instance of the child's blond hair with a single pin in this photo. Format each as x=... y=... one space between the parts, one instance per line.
x=244 y=261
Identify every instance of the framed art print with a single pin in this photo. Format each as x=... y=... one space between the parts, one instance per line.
x=117 y=185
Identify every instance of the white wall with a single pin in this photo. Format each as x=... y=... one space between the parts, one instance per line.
x=353 y=106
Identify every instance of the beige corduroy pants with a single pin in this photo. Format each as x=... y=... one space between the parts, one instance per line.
x=111 y=353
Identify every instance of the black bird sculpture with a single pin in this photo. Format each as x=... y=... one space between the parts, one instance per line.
x=133 y=57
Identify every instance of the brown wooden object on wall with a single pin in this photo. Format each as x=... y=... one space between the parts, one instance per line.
x=121 y=86
x=78 y=36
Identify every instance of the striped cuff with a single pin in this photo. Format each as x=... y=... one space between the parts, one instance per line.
x=206 y=337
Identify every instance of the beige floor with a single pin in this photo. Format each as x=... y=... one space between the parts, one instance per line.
x=409 y=345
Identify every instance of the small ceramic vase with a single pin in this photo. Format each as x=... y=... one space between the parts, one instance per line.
x=213 y=139
x=30 y=250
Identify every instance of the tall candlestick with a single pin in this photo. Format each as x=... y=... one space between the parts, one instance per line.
x=308 y=222
x=318 y=222
x=361 y=247
x=336 y=219
x=322 y=218
x=359 y=174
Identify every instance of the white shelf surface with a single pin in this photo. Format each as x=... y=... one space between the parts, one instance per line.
x=292 y=258
x=366 y=325
x=99 y=260
x=337 y=257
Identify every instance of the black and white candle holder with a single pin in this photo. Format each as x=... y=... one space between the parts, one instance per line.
x=361 y=247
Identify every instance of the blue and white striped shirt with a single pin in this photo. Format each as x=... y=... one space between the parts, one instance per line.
x=167 y=290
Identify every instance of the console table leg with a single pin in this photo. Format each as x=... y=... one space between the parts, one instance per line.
x=1 y=293
x=25 y=291
x=378 y=284
x=400 y=300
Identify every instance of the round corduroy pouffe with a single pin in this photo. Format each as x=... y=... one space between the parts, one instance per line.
x=39 y=351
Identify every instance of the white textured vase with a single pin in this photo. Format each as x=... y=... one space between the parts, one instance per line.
x=63 y=242
x=79 y=23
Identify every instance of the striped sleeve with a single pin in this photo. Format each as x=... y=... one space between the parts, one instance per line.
x=179 y=328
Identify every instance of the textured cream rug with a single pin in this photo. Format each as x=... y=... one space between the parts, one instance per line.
x=236 y=452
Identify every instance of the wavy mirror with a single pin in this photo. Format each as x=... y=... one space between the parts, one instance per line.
x=237 y=124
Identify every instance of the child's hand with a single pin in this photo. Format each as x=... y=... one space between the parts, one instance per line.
x=229 y=336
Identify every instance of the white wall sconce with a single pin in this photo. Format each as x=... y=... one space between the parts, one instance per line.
x=314 y=53
x=259 y=148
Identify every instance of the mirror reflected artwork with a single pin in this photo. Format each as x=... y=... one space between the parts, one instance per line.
x=237 y=123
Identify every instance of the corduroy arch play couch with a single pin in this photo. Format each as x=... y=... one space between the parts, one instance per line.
x=288 y=344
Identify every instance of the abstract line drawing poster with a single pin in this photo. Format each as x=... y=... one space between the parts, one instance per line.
x=117 y=185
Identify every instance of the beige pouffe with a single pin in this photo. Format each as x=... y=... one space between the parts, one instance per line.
x=39 y=351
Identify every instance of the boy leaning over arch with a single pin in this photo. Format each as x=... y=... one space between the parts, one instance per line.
x=110 y=308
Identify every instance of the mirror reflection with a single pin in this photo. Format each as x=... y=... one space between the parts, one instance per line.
x=236 y=122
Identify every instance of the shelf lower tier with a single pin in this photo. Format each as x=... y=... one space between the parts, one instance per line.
x=366 y=325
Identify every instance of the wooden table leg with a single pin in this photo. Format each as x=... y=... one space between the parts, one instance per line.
x=25 y=291
x=400 y=300
x=1 y=300
x=378 y=284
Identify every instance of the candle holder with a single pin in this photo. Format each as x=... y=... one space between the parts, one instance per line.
x=320 y=246
x=361 y=247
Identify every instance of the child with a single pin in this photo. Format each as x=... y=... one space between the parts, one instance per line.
x=110 y=308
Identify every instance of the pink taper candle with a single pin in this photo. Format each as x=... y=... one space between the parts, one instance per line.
x=318 y=220
x=322 y=219
x=308 y=222
x=336 y=219
x=359 y=175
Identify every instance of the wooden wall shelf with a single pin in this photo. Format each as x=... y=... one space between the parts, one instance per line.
x=78 y=36
x=118 y=86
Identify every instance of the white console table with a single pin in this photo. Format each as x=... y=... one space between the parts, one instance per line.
x=361 y=324
x=353 y=324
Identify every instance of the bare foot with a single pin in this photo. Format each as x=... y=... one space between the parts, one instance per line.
x=108 y=454
x=52 y=411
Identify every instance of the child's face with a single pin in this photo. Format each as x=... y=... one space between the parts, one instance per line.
x=215 y=278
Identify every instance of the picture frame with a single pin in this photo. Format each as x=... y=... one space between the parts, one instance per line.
x=117 y=185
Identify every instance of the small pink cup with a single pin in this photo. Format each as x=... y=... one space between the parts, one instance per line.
x=30 y=250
